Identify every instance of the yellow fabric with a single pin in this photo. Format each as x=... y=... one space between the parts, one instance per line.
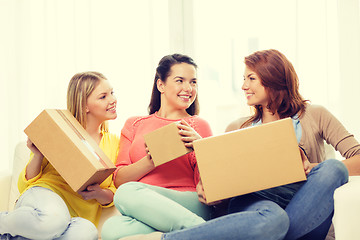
x=50 y=178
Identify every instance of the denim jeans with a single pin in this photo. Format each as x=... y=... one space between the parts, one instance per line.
x=40 y=214
x=146 y=208
x=311 y=209
x=307 y=216
x=258 y=220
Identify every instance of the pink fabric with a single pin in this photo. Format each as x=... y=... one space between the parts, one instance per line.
x=180 y=174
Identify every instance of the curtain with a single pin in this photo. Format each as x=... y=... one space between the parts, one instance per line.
x=321 y=38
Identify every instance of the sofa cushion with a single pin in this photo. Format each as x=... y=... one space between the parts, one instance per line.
x=21 y=157
x=346 y=215
x=5 y=180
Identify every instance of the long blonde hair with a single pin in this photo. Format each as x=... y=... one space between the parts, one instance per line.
x=80 y=87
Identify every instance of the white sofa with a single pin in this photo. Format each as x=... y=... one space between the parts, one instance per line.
x=347 y=199
x=346 y=218
x=9 y=190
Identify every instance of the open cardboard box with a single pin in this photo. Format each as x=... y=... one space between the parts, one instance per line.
x=249 y=160
x=165 y=144
x=69 y=148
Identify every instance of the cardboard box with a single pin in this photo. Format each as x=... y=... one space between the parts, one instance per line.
x=165 y=144
x=69 y=148
x=249 y=160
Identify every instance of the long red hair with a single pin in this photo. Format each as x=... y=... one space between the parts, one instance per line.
x=280 y=81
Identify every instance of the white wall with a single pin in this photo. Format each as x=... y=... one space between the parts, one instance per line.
x=43 y=43
x=349 y=60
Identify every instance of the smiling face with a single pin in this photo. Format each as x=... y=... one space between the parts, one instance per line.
x=101 y=103
x=179 y=90
x=254 y=91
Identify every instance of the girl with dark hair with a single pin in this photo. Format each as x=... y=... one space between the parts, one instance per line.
x=295 y=211
x=161 y=198
x=162 y=72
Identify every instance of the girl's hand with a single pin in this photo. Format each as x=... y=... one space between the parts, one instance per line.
x=34 y=149
x=201 y=194
x=188 y=133
x=312 y=165
x=307 y=165
x=91 y=192
x=34 y=166
x=148 y=156
x=103 y=196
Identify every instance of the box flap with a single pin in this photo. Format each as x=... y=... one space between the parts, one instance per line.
x=86 y=139
x=68 y=147
x=165 y=144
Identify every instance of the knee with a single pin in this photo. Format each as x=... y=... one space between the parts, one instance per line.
x=270 y=221
x=334 y=171
x=88 y=231
x=110 y=230
x=81 y=228
x=107 y=230
x=340 y=170
x=117 y=227
x=126 y=189
x=51 y=226
x=275 y=224
x=126 y=194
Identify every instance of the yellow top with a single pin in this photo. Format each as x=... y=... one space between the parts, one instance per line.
x=50 y=178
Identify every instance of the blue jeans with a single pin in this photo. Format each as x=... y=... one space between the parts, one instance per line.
x=258 y=220
x=311 y=209
x=42 y=214
x=307 y=216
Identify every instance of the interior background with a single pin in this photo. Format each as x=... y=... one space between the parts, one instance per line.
x=44 y=43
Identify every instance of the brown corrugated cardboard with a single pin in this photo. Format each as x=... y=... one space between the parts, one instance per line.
x=249 y=160
x=165 y=144
x=69 y=148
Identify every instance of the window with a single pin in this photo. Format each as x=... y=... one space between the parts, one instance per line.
x=227 y=31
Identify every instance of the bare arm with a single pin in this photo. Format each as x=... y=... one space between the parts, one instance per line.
x=135 y=171
x=188 y=134
x=34 y=166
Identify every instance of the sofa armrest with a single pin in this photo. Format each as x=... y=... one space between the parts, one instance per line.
x=5 y=183
x=347 y=210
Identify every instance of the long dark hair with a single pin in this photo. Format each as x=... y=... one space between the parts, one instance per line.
x=162 y=72
x=281 y=83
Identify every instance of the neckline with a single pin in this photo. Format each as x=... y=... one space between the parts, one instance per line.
x=171 y=120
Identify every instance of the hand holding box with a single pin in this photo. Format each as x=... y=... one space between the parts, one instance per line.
x=69 y=148
x=249 y=160
x=165 y=144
